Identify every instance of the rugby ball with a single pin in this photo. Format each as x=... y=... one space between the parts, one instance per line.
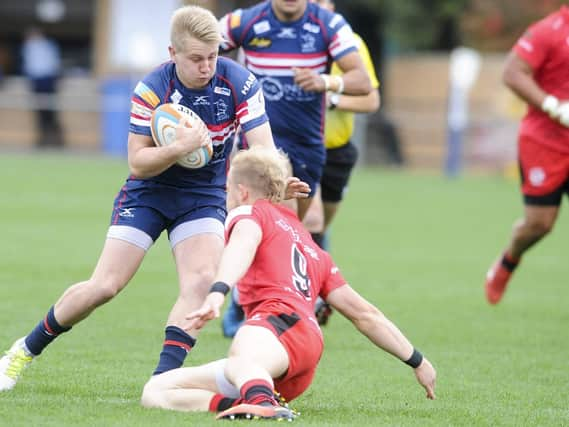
x=163 y=124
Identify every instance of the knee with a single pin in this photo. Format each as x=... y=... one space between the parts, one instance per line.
x=150 y=395
x=198 y=282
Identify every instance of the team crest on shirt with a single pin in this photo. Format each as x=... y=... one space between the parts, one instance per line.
x=221 y=110
x=308 y=43
x=176 y=97
x=260 y=42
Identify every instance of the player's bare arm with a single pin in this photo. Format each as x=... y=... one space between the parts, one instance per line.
x=235 y=261
x=145 y=159
x=355 y=76
x=518 y=76
x=381 y=331
x=355 y=103
x=354 y=81
x=261 y=136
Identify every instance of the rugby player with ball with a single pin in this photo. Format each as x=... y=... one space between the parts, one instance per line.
x=162 y=194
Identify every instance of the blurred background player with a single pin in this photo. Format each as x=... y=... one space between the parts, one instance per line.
x=279 y=271
x=537 y=70
x=41 y=65
x=289 y=46
x=341 y=153
x=161 y=195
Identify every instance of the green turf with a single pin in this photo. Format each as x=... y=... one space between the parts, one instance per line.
x=417 y=246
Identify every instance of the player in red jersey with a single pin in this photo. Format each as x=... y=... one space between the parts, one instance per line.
x=280 y=272
x=538 y=71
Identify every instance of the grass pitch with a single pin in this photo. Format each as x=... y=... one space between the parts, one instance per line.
x=418 y=246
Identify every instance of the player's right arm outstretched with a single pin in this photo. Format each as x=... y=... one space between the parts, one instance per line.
x=382 y=332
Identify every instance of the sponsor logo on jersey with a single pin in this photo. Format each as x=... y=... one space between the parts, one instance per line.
x=201 y=100
x=176 y=97
x=312 y=28
x=272 y=88
x=334 y=270
x=261 y=27
x=127 y=212
x=287 y=227
x=260 y=42
x=287 y=33
x=222 y=91
x=310 y=251
x=248 y=84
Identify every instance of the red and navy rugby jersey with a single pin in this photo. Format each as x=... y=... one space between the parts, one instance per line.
x=273 y=48
x=233 y=97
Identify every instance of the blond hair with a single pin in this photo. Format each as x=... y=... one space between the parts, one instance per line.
x=263 y=170
x=196 y=22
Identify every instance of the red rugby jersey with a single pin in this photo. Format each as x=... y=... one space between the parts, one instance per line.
x=288 y=267
x=545 y=47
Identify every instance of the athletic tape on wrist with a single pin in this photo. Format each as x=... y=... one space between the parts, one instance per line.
x=220 y=287
x=326 y=79
x=550 y=106
x=340 y=81
x=415 y=360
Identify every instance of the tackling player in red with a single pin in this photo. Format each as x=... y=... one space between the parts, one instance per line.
x=537 y=70
x=280 y=272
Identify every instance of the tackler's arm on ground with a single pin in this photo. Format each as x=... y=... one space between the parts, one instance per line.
x=383 y=333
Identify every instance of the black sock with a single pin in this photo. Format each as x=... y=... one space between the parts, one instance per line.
x=44 y=333
x=177 y=345
x=509 y=263
x=220 y=403
x=257 y=392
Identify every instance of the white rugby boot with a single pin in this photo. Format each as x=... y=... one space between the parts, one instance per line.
x=13 y=364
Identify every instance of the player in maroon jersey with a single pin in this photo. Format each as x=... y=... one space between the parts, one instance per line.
x=280 y=272
x=538 y=71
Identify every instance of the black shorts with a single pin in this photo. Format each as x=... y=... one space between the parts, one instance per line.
x=337 y=170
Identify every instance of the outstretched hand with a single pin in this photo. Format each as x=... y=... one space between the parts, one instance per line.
x=426 y=375
x=209 y=310
x=296 y=189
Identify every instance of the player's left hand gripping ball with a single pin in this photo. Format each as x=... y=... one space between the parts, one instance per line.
x=163 y=126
